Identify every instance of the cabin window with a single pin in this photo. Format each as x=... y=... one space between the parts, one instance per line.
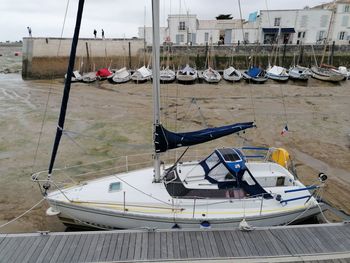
x=212 y=160
x=277 y=21
x=115 y=187
x=229 y=155
x=342 y=35
x=182 y=25
x=220 y=173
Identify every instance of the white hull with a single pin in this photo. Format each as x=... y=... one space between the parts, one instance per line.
x=211 y=76
x=90 y=217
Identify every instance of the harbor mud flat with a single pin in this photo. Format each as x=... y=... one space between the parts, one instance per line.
x=106 y=121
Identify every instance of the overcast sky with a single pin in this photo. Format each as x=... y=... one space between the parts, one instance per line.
x=118 y=18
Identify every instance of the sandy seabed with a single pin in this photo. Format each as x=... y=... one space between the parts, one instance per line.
x=107 y=121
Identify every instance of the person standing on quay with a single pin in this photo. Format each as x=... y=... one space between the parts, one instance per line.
x=29 y=31
x=95 y=33
x=103 y=34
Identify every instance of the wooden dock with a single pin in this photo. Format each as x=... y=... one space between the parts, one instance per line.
x=305 y=243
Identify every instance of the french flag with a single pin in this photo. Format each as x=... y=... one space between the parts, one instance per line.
x=284 y=131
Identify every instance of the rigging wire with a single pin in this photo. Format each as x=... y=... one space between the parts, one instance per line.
x=49 y=93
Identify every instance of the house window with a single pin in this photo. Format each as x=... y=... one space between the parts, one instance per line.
x=277 y=21
x=246 y=37
x=180 y=38
x=342 y=35
x=206 y=37
x=324 y=21
x=346 y=8
x=321 y=35
x=304 y=34
x=182 y=25
x=301 y=34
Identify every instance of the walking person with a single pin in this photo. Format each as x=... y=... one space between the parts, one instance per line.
x=95 y=32
x=29 y=31
x=103 y=34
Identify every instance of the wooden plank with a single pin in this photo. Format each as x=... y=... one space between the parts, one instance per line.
x=72 y=248
x=105 y=248
x=45 y=250
x=213 y=246
x=219 y=244
x=85 y=248
x=99 y=247
x=276 y=244
x=308 y=239
x=144 y=247
x=65 y=248
x=112 y=247
x=2 y=239
x=131 y=247
x=200 y=242
x=163 y=245
x=341 y=237
x=188 y=244
x=39 y=248
x=32 y=249
x=286 y=240
x=15 y=250
x=59 y=248
x=118 y=248
x=329 y=237
x=232 y=236
x=176 y=245
x=226 y=244
x=319 y=236
x=266 y=243
x=195 y=245
x=10 y=248
x=244 y=245
x=157 y=245
x=151 y=239
x=11 y=251
x=138 y=246
x=256 y=244
x=207 y=246
x=169 y=245
x=125 y=247
x=83 y=239
x=299 y=240
x=4 y=244
x=29 y=249
x=182 y=245
x=92 y=248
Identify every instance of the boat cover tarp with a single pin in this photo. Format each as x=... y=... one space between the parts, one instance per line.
x=166 y=140
x=122 y=73
x=188 y=70
x=253 y=72
x=276 y=70
x=145 y=72
x=104 y=72
x=230 y=70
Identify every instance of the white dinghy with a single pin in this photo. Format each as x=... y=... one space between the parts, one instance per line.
x=231 y=74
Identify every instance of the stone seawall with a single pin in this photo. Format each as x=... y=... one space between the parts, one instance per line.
x=48 y=57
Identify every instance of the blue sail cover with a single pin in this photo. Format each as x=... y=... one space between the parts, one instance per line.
x=254 y=72
x=166 y=140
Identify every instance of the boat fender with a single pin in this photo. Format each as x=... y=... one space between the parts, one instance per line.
x=205 y=225
x=175 y=226
x=244 y=226
x=278 y=198
x=323 y=177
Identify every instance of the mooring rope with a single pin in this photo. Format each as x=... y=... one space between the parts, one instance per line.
x=23 y=214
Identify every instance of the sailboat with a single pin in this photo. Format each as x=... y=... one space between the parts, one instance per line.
x=255 y=75
x=231 y=74
x=187 y=75
x=120 y=76
x=167 y=75
x=218 y=191
x=277 y=73
x=142 y=75
x=210 y=75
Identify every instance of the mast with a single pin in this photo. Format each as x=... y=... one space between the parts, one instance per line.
x=66 y=91
x=156 y=82
x=333 y=9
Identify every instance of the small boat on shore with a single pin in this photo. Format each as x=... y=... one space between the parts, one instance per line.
x=299 y=73
x=187 y=75
x=103 y=73
x=142 y=75
x=211 y=76
x=120 y=76
x=326 y=74
x=167 y=75
x=89 y=77
x=76 y=76
x=255 y=75
x=233 y=75
x=277 y=73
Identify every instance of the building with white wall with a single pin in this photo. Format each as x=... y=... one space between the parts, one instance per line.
x=307 y=26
